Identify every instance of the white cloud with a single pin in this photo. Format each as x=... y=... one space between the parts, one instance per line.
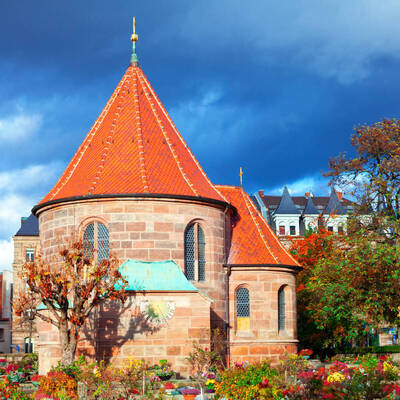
x=6 y=254
x=20 y=190
x=314 y=183
x=19 y=126
x=31 y=176
x=339 y=39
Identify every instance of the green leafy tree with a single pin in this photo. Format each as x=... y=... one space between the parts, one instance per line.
x=353 y=283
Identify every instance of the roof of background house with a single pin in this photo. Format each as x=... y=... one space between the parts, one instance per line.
x=320 y=202
x=334 y=206
x=133 y=148
x=252 y=241
x=310 y=208
x=286 y=205
x=29 y=227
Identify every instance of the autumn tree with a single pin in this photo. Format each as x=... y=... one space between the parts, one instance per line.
x=373 y=176
x=347 y=282
x=65 y=291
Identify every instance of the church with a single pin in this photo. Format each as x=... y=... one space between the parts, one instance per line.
x=197 y=256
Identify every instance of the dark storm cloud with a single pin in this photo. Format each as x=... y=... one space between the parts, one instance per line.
x=275 y=87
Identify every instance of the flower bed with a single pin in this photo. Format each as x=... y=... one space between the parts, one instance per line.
x=366 y=378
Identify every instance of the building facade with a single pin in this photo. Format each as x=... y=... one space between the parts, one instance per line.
x=134 y=188
x=26 y=247
x=292 y=216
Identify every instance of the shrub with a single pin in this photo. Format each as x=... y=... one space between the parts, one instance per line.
x=58 y=384
x=248 y=382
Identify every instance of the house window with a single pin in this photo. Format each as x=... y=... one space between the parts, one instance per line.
x=330 y=228
x=282 y=230
x=292 y=230
x=340 y=229
x=28 y=345
x=281 y=310
x=195 y=249
x=29 y=255
x=96 y=241
x=243 y=309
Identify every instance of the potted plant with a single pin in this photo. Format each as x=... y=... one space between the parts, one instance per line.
x=189 y=394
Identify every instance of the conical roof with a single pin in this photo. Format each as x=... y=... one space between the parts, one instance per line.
x=133 y=148
x=310 y=208
x=334 y=206
x=286 y=205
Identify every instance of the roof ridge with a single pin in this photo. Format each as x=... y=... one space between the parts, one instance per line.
x=139 y=137
x=109 y=141
x=89 y=137
x=143 y=83
x=257 y=211
x=257 y=225
x=228 y=186
x=181 y=139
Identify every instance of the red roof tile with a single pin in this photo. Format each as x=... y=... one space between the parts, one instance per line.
x=133 y=147
x=252 y=241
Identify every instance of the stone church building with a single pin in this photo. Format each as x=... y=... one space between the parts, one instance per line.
x=199 y=254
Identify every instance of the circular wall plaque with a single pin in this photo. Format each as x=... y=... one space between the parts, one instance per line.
x=157 y=312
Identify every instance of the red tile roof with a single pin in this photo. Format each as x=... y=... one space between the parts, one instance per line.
x=133 y=147
x=253 y=241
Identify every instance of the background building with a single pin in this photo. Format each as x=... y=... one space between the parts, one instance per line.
x=26 y=247
x=293 y=215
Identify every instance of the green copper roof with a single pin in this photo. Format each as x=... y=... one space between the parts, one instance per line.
x=158 y=275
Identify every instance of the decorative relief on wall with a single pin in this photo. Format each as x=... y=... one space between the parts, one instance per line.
x=158 y=312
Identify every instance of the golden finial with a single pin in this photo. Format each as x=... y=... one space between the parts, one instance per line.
x=134 y=37
x=241 y=176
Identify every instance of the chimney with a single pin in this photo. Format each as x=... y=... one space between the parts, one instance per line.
x=309 y=194
x=261 y=193
x=23 y=220
x=339 y=195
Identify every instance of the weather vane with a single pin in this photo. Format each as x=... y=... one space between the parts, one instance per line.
x=241 y=176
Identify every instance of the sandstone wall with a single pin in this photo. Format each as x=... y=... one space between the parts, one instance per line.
x=116 y=333
x=263 y=339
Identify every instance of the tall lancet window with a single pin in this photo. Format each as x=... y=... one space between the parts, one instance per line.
x=96 y=241
x=242 y=309
x=195 y=257
x=281 y=310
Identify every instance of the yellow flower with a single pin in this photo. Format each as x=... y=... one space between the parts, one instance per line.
x=335 y=377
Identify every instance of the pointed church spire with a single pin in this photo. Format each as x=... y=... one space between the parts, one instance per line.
x=134 y=39
x=286 y=205
x=334 y=206
x=310 y=208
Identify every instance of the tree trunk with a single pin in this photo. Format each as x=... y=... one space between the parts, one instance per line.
x=68 y=345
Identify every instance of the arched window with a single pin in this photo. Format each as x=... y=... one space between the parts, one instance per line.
x=195 y=257
x=281 y=310
x=243 y=309
x=96 y=237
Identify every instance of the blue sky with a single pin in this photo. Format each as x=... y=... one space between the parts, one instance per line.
x=273 y=86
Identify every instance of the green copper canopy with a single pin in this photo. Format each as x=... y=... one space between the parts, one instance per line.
x=157 y=275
